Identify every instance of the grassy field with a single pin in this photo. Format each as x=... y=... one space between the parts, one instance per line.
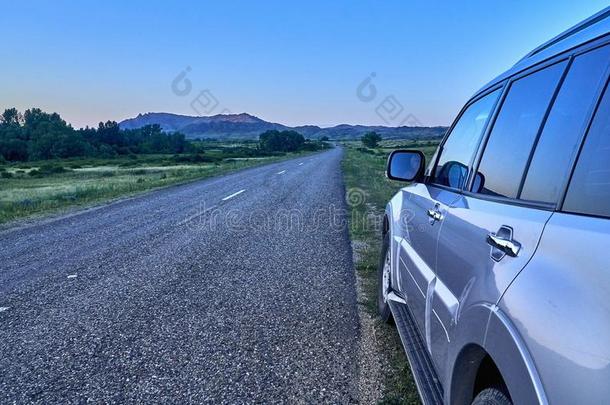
x=364 y=173
x=36 y=188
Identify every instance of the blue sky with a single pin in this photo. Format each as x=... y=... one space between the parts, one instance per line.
x=295 y=63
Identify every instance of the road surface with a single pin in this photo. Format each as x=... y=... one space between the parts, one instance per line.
x=236 y=289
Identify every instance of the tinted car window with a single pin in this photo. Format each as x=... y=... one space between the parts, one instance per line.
x=589 y=190
x=564 y=127
x=515 y=130
x=462 y=143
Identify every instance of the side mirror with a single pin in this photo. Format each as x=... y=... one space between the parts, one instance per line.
x=406 y=165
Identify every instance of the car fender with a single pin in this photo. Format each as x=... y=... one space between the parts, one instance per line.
x=509 y=352
x=392 y=225
x=483 y=329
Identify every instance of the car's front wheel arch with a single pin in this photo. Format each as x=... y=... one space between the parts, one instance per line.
x=384 y=279
x=475 y=371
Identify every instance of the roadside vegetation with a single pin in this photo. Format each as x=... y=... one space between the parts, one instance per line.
x=46 y=165
x=364 y=173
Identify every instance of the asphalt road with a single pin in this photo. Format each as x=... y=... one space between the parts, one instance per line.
x=195 y=293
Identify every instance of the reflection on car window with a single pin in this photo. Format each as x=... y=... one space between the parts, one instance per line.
x=462 y=143
x=589 y=190
x=515 y=130
x=564 y=127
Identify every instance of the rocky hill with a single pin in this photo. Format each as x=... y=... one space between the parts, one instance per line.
x=246 y=126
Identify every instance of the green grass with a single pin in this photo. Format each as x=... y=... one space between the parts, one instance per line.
x=364 y=174
x=38 y=188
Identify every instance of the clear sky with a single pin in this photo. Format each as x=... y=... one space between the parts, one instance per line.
x=295 y=63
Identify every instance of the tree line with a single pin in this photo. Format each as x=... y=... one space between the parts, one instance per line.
x=37 y=135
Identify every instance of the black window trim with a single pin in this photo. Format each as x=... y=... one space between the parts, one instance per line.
x=563 y=189
x=564 y=192
x=483 y=146
x=545 y=117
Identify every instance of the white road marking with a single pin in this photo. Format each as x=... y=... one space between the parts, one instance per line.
x=2 y=309
x=300 y=164
x=282 y=172
x=72 y=275
x=233 y=195
x=196 y=215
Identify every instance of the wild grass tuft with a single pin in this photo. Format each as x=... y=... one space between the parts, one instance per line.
x=364 y=170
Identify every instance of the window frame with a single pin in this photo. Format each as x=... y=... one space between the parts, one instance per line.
x=597 y=99
x=430 y=180
x=521 y=75
x=504 y=84
x=564 y=192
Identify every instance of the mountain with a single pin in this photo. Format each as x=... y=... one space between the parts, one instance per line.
x=246 y=126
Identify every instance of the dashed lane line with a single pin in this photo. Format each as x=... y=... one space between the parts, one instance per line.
x=233 y=195
x=184 y=221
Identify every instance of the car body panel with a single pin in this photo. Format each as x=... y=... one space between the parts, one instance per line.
x=513 y=359
x=466 y=273
x=560 y=305
x=417 y=248
x=486 y=329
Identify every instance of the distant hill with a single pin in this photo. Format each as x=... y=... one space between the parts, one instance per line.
x=246 y=126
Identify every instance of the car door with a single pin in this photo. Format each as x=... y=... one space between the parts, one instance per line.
x=424 y=205
x=491 y=231
x=559 y=302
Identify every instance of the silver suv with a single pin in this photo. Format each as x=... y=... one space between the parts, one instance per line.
x=496 y=259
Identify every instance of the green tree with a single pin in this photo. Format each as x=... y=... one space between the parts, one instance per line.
x=281 y=141
x=13 y=149
x=371 y=139
x=11 y=116
x=37 y=135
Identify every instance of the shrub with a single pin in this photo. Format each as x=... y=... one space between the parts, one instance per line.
x=366 y=150
x=51 y=169
x=195 y=158
x=371 y=139
x=280 y=141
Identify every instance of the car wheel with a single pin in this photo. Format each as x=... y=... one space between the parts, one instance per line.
x=491 y=396
x=383 y=280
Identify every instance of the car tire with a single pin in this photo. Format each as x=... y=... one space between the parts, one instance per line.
x=491 y=396
x=384 y=266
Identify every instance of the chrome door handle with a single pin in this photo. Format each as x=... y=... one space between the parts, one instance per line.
x=435 y=214
x=508 y=246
